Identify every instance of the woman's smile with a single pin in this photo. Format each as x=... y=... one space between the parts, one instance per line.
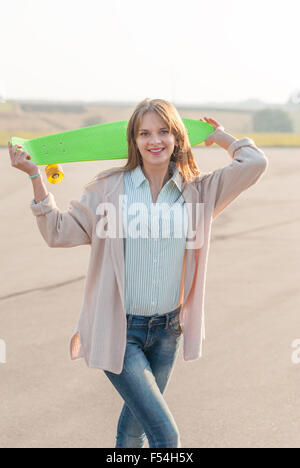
x=157 y=151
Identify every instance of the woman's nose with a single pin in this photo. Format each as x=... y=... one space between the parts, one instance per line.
x=155 y=139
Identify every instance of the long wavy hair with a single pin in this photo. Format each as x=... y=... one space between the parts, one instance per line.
x=182 y=154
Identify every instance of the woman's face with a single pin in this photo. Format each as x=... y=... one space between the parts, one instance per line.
x=154 y=135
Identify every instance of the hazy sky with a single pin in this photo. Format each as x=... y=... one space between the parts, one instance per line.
x=187 y=51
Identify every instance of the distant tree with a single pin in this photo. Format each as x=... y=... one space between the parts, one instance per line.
x=90 y=121
x=272 y=120
x=294 y=99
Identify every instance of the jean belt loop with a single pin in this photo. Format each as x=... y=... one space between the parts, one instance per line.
x=167 y=321
x=129 y=319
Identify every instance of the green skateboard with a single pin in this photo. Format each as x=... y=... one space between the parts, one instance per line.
x=98 y=142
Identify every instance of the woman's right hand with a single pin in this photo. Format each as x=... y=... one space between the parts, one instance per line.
x=21 y=160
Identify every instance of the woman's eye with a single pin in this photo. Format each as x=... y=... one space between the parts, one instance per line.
x=163 y=131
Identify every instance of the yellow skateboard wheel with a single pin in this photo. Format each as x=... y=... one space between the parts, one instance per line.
x=54 y=173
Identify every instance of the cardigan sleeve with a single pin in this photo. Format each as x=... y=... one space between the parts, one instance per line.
x=225 y=184
x=68 y=228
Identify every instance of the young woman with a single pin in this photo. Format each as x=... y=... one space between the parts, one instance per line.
x=144 y=293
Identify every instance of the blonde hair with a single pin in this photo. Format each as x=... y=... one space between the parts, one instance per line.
x=182 y=155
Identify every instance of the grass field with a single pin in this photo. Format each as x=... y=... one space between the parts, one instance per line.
x=272 y=139
x=6 y=106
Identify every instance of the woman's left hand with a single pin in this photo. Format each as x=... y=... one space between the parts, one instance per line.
x=215 y=136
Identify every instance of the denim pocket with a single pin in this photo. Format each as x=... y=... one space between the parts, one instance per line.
x=174 y=326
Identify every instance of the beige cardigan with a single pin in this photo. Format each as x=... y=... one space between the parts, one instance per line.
x=100 y=336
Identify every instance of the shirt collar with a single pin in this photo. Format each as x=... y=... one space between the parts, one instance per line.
x=138 y=177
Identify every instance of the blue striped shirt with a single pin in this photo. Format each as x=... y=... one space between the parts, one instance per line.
x=153 y=266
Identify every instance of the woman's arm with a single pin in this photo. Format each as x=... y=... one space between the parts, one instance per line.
x=59 y=229
x=248 y=165
x=65 y=228
x=39 y=188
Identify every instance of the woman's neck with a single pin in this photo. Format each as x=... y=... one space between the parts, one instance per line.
x=157 y=177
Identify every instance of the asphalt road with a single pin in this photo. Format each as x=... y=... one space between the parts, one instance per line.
x=244 y=391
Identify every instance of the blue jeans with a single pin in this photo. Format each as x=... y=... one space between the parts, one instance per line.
x=152 y=348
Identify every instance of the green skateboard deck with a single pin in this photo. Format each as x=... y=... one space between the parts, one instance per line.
x=98 y=142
